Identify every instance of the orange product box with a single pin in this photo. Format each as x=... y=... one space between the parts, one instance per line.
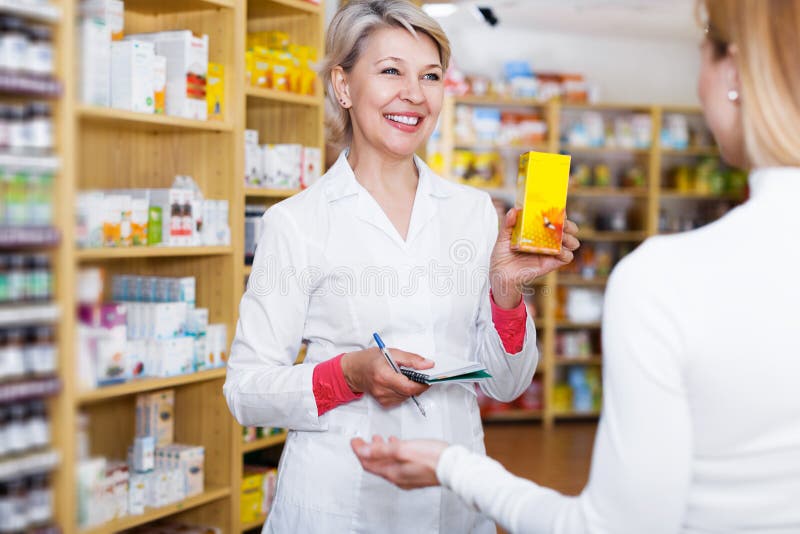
x=542 y=184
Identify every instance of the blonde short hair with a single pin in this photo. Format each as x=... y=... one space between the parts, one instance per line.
x=767 y=35
x=347 y=35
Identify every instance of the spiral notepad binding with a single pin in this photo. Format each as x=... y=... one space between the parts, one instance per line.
x=416 y=377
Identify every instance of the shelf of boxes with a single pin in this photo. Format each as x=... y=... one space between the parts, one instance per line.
x=254 y=192
x=149 y=121
x=119 y=253
x=208 y=496
x=143 y=385
x=577 y=280
x=40 y=12
x=284 y=97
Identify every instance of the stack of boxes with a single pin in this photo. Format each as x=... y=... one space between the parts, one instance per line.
x=158 y=472
x=161 y=72
x=258 y=492
x=153 y=329
x=147 y=217
x=282 y=166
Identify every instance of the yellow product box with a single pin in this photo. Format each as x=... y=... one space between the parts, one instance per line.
x=215 y=92
x=542 y=184
x=252 y=479
x=260 y=67
x=250 y=505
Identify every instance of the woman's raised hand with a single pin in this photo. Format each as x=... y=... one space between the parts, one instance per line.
x=510 y=271
x=367 y=371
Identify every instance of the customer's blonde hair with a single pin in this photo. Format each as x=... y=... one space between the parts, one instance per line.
x=767 y=35
x=348 y=33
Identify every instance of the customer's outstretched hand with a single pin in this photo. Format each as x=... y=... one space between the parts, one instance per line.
x=407 y=464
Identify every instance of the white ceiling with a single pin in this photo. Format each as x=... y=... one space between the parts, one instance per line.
x=660 y=19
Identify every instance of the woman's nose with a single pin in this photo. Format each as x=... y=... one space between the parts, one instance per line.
x=412 y=91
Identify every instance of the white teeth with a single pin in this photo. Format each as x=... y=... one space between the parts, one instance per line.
x=411 y=121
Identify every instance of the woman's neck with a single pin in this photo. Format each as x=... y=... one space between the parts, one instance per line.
x=377 y=173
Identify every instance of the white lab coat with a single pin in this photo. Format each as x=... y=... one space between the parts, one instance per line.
x=330 y=268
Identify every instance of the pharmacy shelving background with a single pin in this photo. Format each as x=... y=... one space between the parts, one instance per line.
x=636 y=171
x=59 y=150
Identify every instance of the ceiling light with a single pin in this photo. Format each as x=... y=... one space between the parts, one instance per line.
x=439 y=10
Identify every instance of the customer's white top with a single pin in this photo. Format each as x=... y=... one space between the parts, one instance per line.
x=700 y=429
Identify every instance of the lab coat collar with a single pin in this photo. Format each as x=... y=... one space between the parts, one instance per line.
x=342 y=183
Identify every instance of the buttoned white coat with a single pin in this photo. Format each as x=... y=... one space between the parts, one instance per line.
x=330 y=268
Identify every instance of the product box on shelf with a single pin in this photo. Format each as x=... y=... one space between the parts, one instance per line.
x=95 y=62
x=155 y=414
x=215 y=92
x=132 y=66
x=102 y=333
x=159 y=84
x=282 y=165
x=110 y=12
x=187 y=70
x=312 y=166
x=542 y=184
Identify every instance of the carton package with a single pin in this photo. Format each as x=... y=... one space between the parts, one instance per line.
x=253 y=167
x=95 y=62
x=155 y=413
x=110 y=12
x=132 y=76
x=215 y=92
x=312 y=166
x=542 y=184
x=159 y=84
x=282 y=165
x=187 y=70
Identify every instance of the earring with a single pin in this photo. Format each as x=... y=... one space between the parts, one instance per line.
x=733 y=95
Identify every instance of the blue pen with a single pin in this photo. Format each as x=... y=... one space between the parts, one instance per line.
x=396 y=369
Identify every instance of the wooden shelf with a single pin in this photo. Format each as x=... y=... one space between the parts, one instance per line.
x=471 y=100
x=283 y=97
x=263 y=443
x=92 y=254
x=583 y=360
x=591 y=235
x=668 y=194
x=516 y=414
x=477 y=147
x=42 y=13
x=691 y=151
x=160 y=7
x=148 y=121
x=578 y=280
x=607 y=106
x=588 y=191
x=577 y=415
x=261 y=8
x=571 y=324
x=254 y=524
x=146 y=384
x=255 y=192
x=248 y=269
x=152 y=514
x=604 y=150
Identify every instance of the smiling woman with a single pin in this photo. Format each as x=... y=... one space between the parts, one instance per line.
x=379 y=209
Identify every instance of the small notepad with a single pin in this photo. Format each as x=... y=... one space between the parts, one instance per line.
x=448 y=370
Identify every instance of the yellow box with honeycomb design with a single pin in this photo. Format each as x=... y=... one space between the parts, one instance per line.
x=542 y=184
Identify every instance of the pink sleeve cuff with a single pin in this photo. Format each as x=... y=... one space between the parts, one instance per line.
x=510 y=325
x=330 y=387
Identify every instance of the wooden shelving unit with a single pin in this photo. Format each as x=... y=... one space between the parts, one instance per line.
x=208 y=496
x=103 y=148
x=647 y=199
